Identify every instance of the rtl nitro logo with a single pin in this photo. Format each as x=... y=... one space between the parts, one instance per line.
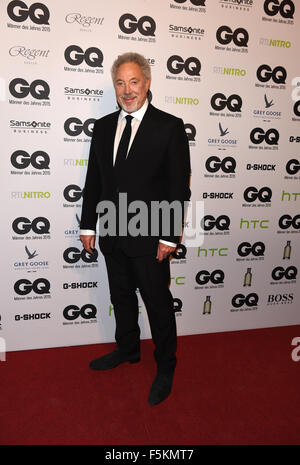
x=73 y=255
x=287 y=221
x=39 y=160
x=23 y=225
x=74 y=126
x=87 y=312
x=290 y=273
x=270 y=137
x=39 y=286
x=257 y=249
x=278 y=74
x=293 y=166
x=263 y=195
x=215 y=277
x=18 y=11
x=225 y=35
x=221 y=223
x=214 y=164
x=286 y=8
x=232 y=103
x=176 y=64
x=250 y=300
x=92 y=56
x=145 y=25
x=73 y=193
x=38 y=89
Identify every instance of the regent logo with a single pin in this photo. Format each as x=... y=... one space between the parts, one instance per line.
x=293 y=166
x=289 y=273
x=287 y=221
x=129 y=24
x=214 y=164
x=221 y=223
x=38 y=89
x=85 y=21
x=251 y=194
x=73 y=255
x=257 y=249
x=278 y=75
x=39 y=286
x=28 y=53
x=176 y=64
x=239 y=36
x=74 y=126
x=73 y=193
x=285 y=8
x=75 y=56
x=23 y=225
x=72 y=312
x=216 y=277
x=21 y=160
x=233 y=103
x=18 y=11
x=251 y=300
x=270 y=137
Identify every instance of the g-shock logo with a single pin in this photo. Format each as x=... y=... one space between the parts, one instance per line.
x=176 y=64
x=23 y=225
x=18 y=11
x=39 y=286
x=128 y=24
x=75 y=56
x=258 y=135
x=264 y=73
x=233 y=103
x=74 y=126
x=239 y=36
x=21 y=160
x=38 y=89
x=286 y=8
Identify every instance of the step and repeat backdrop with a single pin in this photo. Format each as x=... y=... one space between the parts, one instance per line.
x=230 y=70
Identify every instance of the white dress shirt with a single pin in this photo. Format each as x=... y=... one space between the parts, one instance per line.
x=136 y=121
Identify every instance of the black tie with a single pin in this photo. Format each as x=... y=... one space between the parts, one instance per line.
x=123 y=145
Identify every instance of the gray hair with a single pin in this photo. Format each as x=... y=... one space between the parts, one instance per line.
x=131 y=57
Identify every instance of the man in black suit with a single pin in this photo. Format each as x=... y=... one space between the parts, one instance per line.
x=142 y=154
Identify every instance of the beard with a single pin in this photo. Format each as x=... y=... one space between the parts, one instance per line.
x=128 y=108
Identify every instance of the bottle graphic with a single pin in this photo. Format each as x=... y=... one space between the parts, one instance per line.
x=287 y=250
x=207 y=306
x=248 y=277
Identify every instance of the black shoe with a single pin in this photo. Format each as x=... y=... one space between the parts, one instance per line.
x=112 y=360
x=161 y=388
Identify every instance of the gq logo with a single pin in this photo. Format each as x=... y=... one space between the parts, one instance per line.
x=216 y=277
x=176 y=64
x=239 y=37
x=145 y=25
x=177 y=305
x=251 y=300
x=75 y=56
x=18 y=11
x=209 y=222
x=194 y=2
x=21 y=160
x=180 y=252
x=72 y=312
x=296 y=108
x=73 y=255
x=38 y=89
x=190 y=131
x=264 y=73
x=220 y=102
x=73 y=193
x=39 y=286
x=39 y=225
x=263 y=195
x=285 y=7
x=257 y=249
x=279 y=272
x=74 y=126
x=258 y=135
x=292 y=166
x=286 y=221
x=214 y=164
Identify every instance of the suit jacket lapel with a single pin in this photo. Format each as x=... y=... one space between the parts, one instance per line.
x=143 y=133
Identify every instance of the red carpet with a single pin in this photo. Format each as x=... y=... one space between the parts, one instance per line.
x=230 y=388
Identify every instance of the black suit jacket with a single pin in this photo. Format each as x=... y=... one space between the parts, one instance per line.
x=157 y=168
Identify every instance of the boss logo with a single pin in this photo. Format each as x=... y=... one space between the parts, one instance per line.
x=279 y=272
x=180 y=252
x=279 y=298
x=239 y=37
x=264 y=73
x=263 y=195
x=72 y=312
x=220 y=102
x=39 y=286
x=39 y=160
x=19 y=88
x=39 y=225
x=73 y=255
x=145 y=25
x=18 y=11
x=258 y=135
x=209 y=222
x=73 y=193
x=257 y=249
x=251 y=300
x=286 y=221
x=214 y=164
x=176 y=64
x=75 y=56
x=73 y=126
x=216 y=277
x=286 y=8
x=292 y=166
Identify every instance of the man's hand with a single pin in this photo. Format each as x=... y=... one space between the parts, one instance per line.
x=163 y=251
x=88 y=243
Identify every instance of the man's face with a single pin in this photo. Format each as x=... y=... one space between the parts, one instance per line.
x=131 y=87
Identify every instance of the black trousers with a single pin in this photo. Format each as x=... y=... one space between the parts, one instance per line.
x=152 y=278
